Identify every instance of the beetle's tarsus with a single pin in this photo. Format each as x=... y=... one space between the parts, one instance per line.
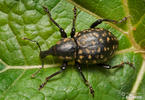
x=92 y=91
x=33 y=75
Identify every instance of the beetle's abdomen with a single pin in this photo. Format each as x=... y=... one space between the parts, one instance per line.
x=95 y=45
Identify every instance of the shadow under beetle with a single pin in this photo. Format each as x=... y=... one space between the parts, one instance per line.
x=93 y=45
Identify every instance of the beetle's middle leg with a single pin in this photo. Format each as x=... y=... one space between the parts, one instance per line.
x=73 y=30
x=99 y=21
x=63 y=33
x=84 y=79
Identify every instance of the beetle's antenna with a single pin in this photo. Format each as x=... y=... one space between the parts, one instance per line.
x=33 y=41
x=33 y=75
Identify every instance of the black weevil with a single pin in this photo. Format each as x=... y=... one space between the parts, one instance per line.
x=93 y=45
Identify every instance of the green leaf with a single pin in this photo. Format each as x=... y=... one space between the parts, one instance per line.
x=20 y=58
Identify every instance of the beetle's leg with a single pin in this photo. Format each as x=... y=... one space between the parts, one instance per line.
x=62 y=68
x=42 y=66
x=73 y=30
x=63 y=33
x=119 y=65
x=99 y=21
x=84 y=79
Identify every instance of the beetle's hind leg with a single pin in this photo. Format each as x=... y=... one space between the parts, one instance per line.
x=99 y=21
x=84 y=79
x=63 y=33
x=62 y=68
x=119 y=65
x=73 y=30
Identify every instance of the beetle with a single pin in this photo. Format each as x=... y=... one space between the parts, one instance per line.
x=93 y=45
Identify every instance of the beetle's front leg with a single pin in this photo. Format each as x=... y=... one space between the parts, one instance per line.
x=62 y=68
x=42 y=66
x=33 y=75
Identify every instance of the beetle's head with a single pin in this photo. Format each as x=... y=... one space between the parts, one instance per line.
x=45 y=53
x=42 y=54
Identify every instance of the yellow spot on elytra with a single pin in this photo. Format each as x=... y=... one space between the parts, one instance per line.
x=92 y=29
x=79 y=34
x=110 y=33
x=93 y=51
x=84 y=37
x=104 y=34
x=98 y=49
x=115 y=38
x=83 y=42
x=80 y=52
x=113 y=47
x=112 y=38
x=76 y=34
x=85 y=31
x=97 y=35
x=90 y=35
x=108 y=39
x=79 y=60
x=79 y=38
x=105 y=49
x=66 y=39
x=89 y=30
x=108 y=48
x=97 y=29
x=79 y=43
x=94 y=33
x=89 y=56
x=93 y=42
x=69 y=58
x=87 y=50
x=81 y=57
x=101 y=40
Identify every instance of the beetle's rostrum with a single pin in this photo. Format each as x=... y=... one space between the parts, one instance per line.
x=93 y=45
